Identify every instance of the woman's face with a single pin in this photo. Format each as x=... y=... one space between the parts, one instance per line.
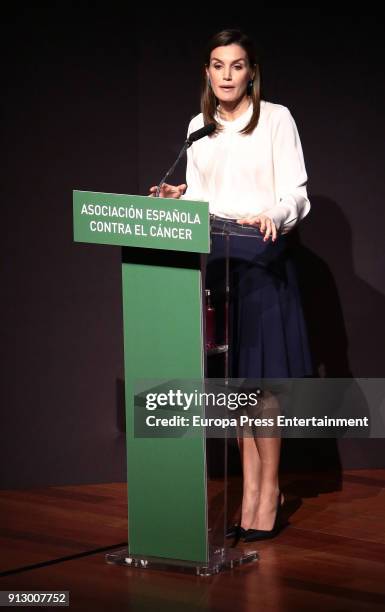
x=229 y=72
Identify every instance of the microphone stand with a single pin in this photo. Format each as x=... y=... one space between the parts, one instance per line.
x=193 y=137
x=186 y=145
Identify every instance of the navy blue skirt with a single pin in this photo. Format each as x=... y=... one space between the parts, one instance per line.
x=267 y=329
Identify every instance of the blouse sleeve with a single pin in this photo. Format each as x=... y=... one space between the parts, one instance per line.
x=194 y=189
x=290 y=176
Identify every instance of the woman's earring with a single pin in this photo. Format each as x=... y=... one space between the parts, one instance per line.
x=250 y=86
x=209 y=82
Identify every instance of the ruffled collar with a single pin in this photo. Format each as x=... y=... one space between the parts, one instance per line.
x=239 y=123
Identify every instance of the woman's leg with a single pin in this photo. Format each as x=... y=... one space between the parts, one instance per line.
x=260 y=461
x=269 y=453
x=251 y=466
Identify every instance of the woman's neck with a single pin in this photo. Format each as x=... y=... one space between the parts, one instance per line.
x=231 y=111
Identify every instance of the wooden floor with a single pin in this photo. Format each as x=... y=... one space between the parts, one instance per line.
x=331 y=557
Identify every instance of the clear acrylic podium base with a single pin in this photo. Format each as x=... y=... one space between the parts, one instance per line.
x=220 y=559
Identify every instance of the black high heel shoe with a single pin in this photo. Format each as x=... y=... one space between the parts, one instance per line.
x=252 y=535
x=235 y=531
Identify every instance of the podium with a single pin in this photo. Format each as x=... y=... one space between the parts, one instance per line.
x=171 y=523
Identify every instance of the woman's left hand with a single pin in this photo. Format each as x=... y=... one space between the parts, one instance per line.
x=265 y=224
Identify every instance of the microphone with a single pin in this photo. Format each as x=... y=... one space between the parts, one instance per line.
x=204 y=131
x=193 y=137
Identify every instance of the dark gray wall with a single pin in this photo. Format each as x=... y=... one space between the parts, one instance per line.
x=70 y=123
x=100 y=99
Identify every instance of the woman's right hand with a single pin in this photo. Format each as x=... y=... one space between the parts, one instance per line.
x=169 y=191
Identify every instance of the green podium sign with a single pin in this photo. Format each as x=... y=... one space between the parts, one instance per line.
x=139 y=221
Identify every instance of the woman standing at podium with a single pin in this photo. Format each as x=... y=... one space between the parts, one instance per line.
x=252 y=169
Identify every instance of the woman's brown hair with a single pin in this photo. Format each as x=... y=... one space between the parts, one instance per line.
x=208 y=99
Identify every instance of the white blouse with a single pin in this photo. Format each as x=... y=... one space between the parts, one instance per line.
x=243 y=175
